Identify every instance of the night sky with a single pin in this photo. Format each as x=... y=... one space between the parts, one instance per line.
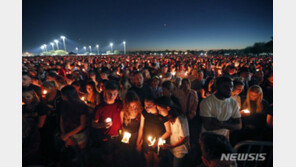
x=147 y=24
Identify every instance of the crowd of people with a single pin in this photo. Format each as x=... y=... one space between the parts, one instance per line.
x=143 y=110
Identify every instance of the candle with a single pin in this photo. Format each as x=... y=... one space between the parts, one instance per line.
x=160 y=143
x=44 y=92
x=151 y=141
x=126 y=137
x=174 y=73
x=160 y=76
x=23 y=103
x=246 y=111
x=108 y=120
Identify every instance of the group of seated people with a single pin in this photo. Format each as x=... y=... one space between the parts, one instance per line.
x=143 y=110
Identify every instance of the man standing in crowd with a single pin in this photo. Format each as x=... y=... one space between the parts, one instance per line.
x=219 y=112
x=140 y=88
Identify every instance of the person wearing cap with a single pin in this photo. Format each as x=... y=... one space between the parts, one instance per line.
x=157 y=90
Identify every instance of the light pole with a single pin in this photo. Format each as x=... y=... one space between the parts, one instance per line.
x=89 y=49
x=124 y=47
x=57 y=43
x=111 y=45
x=97 y=46
x=63 y=38
x=52 y=45
x=76 y=49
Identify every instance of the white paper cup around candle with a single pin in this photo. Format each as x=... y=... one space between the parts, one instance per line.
x=126 y=137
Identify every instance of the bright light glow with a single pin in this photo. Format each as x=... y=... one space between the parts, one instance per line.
x=97 y=46
x=82 y=98
x=126 y=137
x=161 y=142
x=111 y=44
x=246 y=111
x=56 y=41
x=51 y=43
x=108 y=120
x=63 y=37
x=124 y=42
x=84 y=47
x=45 y=45
x=151 y=141
x=44 y=92
x=174 y=73
x=76 y=48
x=42 y=47
x=89 y=46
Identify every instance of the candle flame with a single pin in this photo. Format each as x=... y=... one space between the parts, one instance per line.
x=126 y=137
x=161 y=142
x=246 y=111
x=174 y=73
x=45 y=92
x=151 y=141
x=108 y=120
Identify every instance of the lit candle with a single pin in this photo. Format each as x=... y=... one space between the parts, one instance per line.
x=126 y=137
x=23 y=103
x=246 y=111
x=186 y=73
x=152 y=141
x=44 y=92
x=174 y=73
x=160 y=76
x=108 y=120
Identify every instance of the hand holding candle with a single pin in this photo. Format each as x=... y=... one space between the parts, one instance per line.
x=245 y=112
x=151 y=141
x=108 y=122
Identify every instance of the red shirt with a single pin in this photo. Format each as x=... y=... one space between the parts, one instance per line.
x=112 y=111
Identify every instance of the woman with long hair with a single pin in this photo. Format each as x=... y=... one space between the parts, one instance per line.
x=92 y=97
x=131 y=114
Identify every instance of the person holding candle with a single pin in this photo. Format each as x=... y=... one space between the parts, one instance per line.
x=179 y=139
x=130 y=119
x=152 y=127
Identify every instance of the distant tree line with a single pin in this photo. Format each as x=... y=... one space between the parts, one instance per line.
x=257 y=48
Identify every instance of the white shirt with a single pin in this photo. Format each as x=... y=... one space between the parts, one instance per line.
x=222 y=110
x=179 y=129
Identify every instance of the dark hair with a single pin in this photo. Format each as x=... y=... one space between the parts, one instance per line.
x=26 y=73
x=76 y=83
x=223 y=79
x=70 y=93
x=213 y=145
x=93 y=85
x=164 y=101
x=111 y=85
x=168 y=85
x=237 y=82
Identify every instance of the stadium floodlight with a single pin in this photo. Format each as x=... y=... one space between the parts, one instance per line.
x=45 y=46
x=52 y=45
x=42 y=47
x=63 y=38
x=111 y=45
x=76 y=49
x=57 y=43
x=84 y=48
x=89 y=49
x=97 y=46
x=124 y=47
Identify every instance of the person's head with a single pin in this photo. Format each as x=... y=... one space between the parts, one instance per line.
x=50 y=86
x=255 y=94
x=167 y=88
x=186 y=85
x=29 y=96
x=164 y=105
x=238 y=87
x=178 y=82
x=212 y=147
x=70 y=79
x=224 y=86
x=230 y=69
x=259 y=75
x=155 y=82
x=150 y=106
x=269 y=78
x=132 y=106
x=111 y=90
x=138 y=80
x=26 y=79
x=200 y=75
x=164 y=69
x=245 y=73
x=69 y=93
x=90 y=87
